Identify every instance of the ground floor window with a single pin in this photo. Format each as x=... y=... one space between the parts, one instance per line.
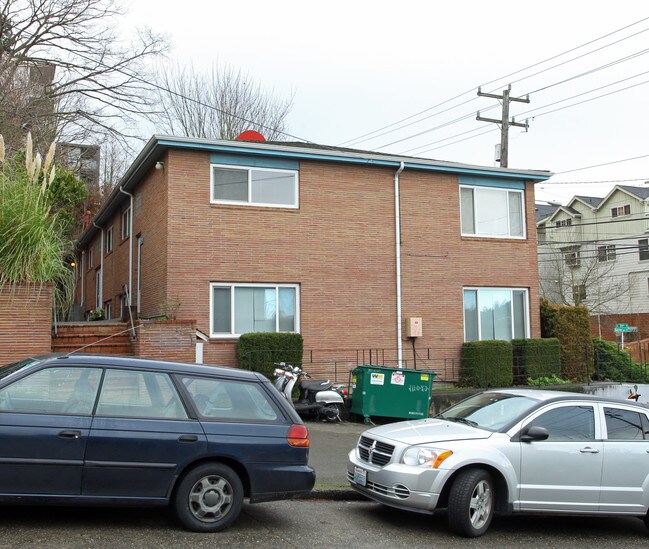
x=495 y=313
x=237 y=309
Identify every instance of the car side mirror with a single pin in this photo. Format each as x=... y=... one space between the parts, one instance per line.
x=533 y=433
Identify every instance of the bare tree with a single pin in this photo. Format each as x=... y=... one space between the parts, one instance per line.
x=219 y=104
x=65 y=70
x=580 y=275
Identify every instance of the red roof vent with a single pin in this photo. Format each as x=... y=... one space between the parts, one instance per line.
x=250 y=135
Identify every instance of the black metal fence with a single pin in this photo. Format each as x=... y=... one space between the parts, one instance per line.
x=577 y=363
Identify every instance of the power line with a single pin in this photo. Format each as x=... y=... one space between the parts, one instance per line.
x=548 y=182
x=471 y=90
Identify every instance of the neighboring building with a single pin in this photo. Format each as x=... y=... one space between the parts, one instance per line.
x=340 y=245
x=595 y=252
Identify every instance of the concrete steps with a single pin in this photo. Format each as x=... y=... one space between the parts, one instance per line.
x=111 y=338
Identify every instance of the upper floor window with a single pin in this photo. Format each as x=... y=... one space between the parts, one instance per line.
x=571 y=256
x=126 y=223
x=91 y=259
x=606 y=253
x=492 y=212
x=109 y=239
x=643 y=248
x=621 y=210
x=254 y=186
x=243 y=308
x=563 y=223
x=495 y=313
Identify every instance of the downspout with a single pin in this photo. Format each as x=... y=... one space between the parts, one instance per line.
x=101 y=265
x=397 y=226
x=83 y=280
x=130 y=251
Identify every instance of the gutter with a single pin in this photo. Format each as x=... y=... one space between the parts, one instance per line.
x=397 y=228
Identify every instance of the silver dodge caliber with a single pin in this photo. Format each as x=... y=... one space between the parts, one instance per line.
x=511 y=451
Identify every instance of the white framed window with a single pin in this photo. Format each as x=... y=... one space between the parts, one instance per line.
x=90 y=257
x=108 y=308
x=496 y=313
x=126 y=223
x=237 y=309
x=109 y=240
x=621 y=210
x=571 y=256
x=606 y=253
x=254 y=186
x=492 y=212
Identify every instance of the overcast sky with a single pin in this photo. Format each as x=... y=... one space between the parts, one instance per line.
x=354 y=67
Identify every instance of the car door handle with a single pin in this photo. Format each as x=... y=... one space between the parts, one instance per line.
x=70 y=434
x=188 y=438
x=589 y=450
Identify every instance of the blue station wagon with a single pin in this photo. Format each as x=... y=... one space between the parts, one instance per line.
x=105 y=430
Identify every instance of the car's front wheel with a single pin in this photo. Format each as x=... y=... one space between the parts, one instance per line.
x=471 y=503
x=209 y=498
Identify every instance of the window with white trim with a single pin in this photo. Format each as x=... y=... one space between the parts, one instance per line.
x=496 y=313
x=254 y=186
x=606 y=253
x=492 y=212
x=619 y=211
x=237 y=309
x=109 y=239
x=126 y=223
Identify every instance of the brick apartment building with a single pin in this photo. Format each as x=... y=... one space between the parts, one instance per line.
x=258 y=236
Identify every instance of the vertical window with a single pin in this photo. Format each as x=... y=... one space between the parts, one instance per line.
x=90 y=257
x=108 y=308
x=98 y=288
x=244 y=308
x=643 y=248
x=126 y=223
x=255 y=186
x=109 y=239
x=492 y=212
x=495 y=313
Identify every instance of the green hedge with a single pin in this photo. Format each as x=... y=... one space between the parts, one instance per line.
x=571 y=326
x=486 y=364
x=261 y=350
x=536 y=358
x=613 y=364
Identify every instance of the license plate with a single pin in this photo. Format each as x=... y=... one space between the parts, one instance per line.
x=360 y=476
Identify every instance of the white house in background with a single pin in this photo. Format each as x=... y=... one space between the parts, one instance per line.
x=595 y=252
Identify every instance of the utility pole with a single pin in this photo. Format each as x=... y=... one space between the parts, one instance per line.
x=505 y=122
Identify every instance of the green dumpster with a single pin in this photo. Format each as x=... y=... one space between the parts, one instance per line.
x=390 y=392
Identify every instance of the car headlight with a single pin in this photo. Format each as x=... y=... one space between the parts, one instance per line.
x=420 y=456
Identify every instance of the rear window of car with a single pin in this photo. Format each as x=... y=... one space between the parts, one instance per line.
x=622 y=424
x=224 y=399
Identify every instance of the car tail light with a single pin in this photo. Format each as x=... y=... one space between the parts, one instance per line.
x=298 y=435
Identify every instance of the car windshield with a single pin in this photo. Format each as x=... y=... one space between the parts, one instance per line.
x=6 y=371
x=491 y=411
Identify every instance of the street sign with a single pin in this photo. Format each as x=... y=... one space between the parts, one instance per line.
x=622 y=328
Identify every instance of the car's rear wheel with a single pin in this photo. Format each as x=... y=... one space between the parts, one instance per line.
x=209 y=498
x=471 y=503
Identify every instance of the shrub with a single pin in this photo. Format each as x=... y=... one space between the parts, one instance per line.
x=97 y=314
x=571 y=326
x=536 y=358
x=486 y=364
x=547 y=380
x=261 y=350
x=613 y=364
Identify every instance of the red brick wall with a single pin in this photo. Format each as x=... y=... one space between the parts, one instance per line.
x=25 y=322
x=606 y=325
x=339 y=246
x=167 y=340
x=150 y=221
